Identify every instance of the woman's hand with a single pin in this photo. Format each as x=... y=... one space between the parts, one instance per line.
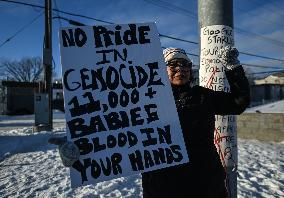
x=229 y=57
x=68 y=151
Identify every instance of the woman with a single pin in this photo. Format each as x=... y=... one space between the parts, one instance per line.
x=204 y=175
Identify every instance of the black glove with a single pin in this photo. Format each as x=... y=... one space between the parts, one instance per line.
x=229 y=57
x=68 y=151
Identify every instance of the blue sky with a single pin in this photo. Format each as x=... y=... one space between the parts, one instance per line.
x=259 y=25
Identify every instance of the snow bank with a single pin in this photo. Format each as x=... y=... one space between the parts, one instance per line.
x=36 y=171
x=275 y=107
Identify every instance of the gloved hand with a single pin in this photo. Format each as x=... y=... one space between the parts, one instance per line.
x=68 y=151
x=229 y=57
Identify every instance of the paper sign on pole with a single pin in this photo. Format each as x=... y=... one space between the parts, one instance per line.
x=119 y=106
x=212 y=76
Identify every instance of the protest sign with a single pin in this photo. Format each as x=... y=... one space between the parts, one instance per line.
x=119 y=106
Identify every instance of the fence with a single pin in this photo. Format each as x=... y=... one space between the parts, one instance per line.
x=261 y=126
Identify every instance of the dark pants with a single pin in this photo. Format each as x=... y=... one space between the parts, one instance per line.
x=156 y=185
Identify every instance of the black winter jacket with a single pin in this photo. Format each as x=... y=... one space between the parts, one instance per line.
x=204 y=175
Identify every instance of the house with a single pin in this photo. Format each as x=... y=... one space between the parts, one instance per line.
x=268 y=89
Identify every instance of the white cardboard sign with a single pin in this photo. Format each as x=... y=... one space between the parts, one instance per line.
x=119 y=106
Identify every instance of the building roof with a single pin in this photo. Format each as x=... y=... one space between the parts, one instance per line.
x=280 y=74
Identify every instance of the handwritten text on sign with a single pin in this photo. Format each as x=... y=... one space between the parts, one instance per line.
x=212 y=76
x=119 y=107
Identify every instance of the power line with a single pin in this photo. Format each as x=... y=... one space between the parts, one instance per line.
x=21 y=29
x=259 y=56
x=162 y=35
x=177 y=39
x=174 y=8
x=244 y=53
x=268 y=8
x=275 y=42
x=55 y=3
x=68 y=13
x=264 y=18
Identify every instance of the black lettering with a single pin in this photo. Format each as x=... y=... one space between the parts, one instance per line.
x=97 y=146
x=116 y=159
x=165 y=135
x=104 y=52
x=84 y=77
x=152 y=116
x=169 y=155
x=112 y=99
x=143 y=30
x=159 y=156
x=117 y=54
x=121 y=139
x=177 y=151
x=80 y=37
x=65 y=81
x=124 y=119
x=95 y=169
x=124 y=98
x=118 y=40
x=154 y=66
x=84 y=146
x=97 y=124
x=106 y=168
x=148 y=159
x=68 y=38
x=90 y=107
x=132 y=139
x=111 y=141
x=77 y=127
x=134 y=96
x=129 y=36
x=97 y=74
x=112 y=78
x=135 y=116
x=82 y=168
x=100 y=30
x=150 y=140
x=142 y=74
x=136 y=161
x=113 y=121
x=133 y=83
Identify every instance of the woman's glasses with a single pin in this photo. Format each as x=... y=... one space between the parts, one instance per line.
x=179 y=65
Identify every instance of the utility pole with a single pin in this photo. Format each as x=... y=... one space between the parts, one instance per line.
x=216 y=31
x=47 y=59
x=43 y=99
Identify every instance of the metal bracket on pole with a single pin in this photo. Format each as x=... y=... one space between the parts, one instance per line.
x=47 y=57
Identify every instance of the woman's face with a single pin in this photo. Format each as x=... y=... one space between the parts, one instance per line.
x=179 y=71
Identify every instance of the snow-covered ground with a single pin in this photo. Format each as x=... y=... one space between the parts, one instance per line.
x=275 y=107
x=30 y=167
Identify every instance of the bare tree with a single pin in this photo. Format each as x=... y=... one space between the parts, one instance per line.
x=26 y=70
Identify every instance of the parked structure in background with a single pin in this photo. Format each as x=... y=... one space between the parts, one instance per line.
x=268 y=89
x=17 y=98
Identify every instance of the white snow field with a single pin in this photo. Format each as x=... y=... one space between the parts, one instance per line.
x=30 y=167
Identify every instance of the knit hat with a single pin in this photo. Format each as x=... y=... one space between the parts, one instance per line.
x=171 y=53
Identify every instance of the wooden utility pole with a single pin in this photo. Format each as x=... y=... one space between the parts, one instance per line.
x=47 y=58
